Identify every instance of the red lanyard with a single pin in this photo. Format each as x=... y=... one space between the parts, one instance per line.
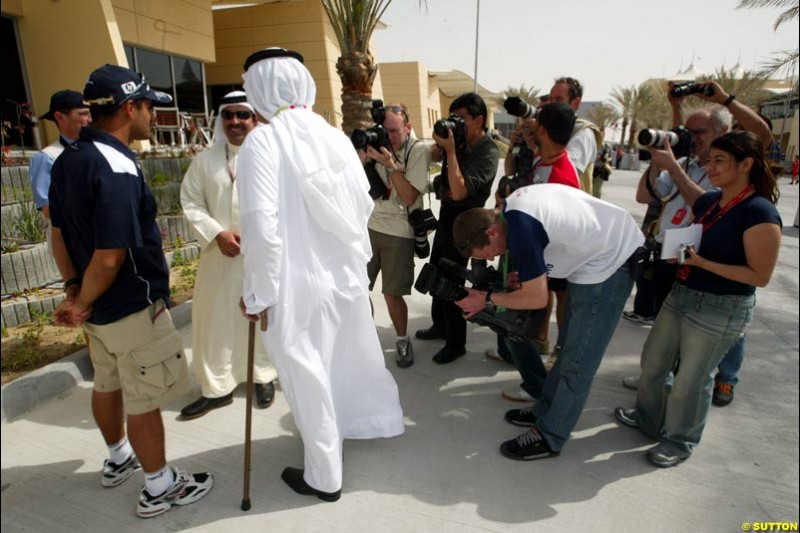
x=683 y=271
x=228 y=164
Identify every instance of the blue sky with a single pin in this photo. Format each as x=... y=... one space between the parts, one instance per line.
x=602 y=43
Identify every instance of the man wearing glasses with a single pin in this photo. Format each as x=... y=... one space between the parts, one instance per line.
x=210 y=202
x=404 y=172
x=108 y=248
x=70 y=113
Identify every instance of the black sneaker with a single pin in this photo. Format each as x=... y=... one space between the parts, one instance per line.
x=664 y=455
x=448 y=355
x=186 y=489
x=723 y=394
x=528 y=447
x=405 y=353
x=627 y=417
x=521 y=417
x=114 y=474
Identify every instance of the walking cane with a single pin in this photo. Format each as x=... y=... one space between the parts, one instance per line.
x=251 y=338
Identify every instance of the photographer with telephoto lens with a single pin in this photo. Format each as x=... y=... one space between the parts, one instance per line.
x=403 y=171
x=469 y=167
x=677 y=183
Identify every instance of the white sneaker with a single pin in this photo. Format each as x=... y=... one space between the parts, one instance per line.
x=517 y=394
x=114 y=474
x=186 y=489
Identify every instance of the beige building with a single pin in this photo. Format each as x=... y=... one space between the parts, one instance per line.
x=193 y=50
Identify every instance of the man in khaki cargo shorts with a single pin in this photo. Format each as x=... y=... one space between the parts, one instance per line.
x=108 y=248
x=403 y=171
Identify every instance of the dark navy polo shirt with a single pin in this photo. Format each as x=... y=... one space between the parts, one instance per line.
x=526 y=240
x=724 y=241
x=99 y=200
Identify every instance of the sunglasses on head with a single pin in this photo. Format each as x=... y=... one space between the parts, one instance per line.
x=227 y=114
x=398 y=110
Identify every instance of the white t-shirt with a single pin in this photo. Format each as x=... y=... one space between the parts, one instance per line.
x=677 y=213
x=582 y=149
x=568 y=233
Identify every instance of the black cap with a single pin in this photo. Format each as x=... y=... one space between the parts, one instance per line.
x=270 y=53
x=65 y=100
x=115 y=85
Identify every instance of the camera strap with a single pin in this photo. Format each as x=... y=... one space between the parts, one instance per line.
x=683 y=270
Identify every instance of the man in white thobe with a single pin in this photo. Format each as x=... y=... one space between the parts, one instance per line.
x=304 y=206
x=211 y=205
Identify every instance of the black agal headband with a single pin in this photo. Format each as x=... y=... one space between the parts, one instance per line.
x=270 y=53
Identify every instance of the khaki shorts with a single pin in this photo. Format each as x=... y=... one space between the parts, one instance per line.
x=394 y=256
x=142 y=354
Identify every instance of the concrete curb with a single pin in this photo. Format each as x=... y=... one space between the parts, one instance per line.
x=56 y=379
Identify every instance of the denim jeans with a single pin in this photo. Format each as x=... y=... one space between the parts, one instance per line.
x=591 y=317
x=728 y=370
x=528 y=361
x=698 y=328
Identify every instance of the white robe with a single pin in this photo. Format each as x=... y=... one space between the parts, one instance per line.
x=306 y=247
x=219 y=332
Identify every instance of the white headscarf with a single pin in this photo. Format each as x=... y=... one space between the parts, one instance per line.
x=320 y=157
x=219 y=132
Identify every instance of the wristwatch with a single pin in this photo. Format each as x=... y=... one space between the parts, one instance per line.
x=728 y=101
x=489 y=303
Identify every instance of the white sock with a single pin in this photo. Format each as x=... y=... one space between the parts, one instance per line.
x=402 y=339
x=120 y=452
x=158 y=482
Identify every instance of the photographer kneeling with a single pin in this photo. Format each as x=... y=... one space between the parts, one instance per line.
x=403 y=172
x=577 y=237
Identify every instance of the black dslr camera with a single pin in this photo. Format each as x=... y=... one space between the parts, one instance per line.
x=376 y=136
x=680 y=139
x=679 y=90
x=458 y=126
x=441 y=283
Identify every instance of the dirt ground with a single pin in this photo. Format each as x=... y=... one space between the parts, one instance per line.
x=32 y=346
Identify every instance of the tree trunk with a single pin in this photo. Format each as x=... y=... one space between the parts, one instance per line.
x=632 y=133
x=357 y=72
x=624 y=129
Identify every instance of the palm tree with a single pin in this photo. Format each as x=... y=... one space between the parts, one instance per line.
x=353 y=22
x=749 y=88
x=791 y=10
x=528 y=94
x=642 y=99
x=623 y=99
x=603 y=116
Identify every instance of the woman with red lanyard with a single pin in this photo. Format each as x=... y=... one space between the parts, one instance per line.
x=711 y=303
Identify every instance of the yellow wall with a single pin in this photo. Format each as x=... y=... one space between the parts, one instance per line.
x=410 y=84
x=62 y=42
x=177 y=27
x=13 y=8
x=299 y=25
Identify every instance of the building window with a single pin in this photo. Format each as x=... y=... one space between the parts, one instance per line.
x=189 y=84
x=157 y=69
x=131 y=57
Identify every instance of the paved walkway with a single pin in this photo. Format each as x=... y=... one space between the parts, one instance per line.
x=446 y=474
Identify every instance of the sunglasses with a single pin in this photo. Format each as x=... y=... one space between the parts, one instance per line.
x=398 y=110
x=241 y=115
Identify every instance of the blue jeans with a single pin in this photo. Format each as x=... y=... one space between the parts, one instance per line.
x=728 y=370
x=591 y=317
x=528 y=361
x=698 y=328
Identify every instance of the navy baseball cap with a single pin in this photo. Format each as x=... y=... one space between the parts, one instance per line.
x=65 y=100
x=115 y=85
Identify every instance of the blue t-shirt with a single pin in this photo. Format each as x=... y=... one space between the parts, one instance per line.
x=724 y=241
x=99 y=200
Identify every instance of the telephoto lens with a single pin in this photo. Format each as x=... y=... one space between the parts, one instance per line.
x=656 y=138
x=679 y=90
x=518 y=107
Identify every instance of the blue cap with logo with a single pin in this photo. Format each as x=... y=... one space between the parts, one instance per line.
x=115 y=85
x=65 y=100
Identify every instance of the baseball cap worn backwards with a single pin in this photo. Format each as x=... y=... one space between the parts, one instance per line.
x=62 y=101
x=115 y=85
